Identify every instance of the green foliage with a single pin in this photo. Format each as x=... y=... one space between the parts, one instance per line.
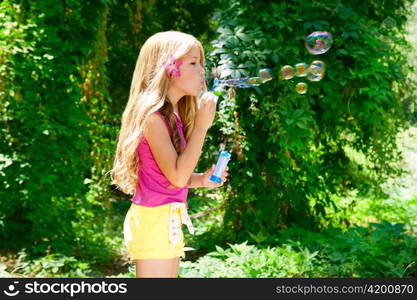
x=381 y=250
x=51 y=105
x=242 y=260
x=357 y=210
x=289 y=150
x=54 y=265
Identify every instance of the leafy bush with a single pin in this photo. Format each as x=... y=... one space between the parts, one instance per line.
x=242 y=260
x=53 y=265
x=381 y=250
x=45 y=126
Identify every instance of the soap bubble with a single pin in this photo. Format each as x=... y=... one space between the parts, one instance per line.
x=265 y=74
x=287 y=72
x=389 y=23
x=314 y=77
x=316 y=70
x=255 y=81
x=301 y=87
x=301 y=69
x=219 y=86
x=382 y=38
x=319 y=42
x=245 y=82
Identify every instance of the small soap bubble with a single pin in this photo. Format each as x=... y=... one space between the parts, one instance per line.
x=319 y=42
x=389 y=23
x=301 y=88
x=245 y=82
x=265 y=74
x=287 y=72
x=316 y=70
x=301 y=69
x=218 y=87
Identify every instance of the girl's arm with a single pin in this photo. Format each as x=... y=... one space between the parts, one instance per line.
x=178 y=168
x=195 y=180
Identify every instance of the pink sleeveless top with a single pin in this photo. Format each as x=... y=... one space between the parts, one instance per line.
x=152 y=188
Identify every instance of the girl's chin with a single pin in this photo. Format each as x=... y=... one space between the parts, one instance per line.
x=196 y=93
x=193 y=95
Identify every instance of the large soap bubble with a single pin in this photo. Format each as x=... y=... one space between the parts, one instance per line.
x=319 y=42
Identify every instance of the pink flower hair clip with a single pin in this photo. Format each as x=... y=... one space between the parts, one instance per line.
x=172 y=66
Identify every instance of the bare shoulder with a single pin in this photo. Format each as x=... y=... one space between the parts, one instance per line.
x=155 y=126
x=157 y=135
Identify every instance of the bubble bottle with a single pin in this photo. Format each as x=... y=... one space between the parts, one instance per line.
x=220 y=167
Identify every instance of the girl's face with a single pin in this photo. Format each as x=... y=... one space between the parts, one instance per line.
x=192 y=77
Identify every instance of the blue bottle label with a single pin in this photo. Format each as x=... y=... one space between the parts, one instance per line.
x=220 y=167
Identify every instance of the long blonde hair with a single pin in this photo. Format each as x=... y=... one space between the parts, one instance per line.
x=148 y=93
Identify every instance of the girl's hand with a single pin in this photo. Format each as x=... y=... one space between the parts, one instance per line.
x=205 y=111
x=206 y=182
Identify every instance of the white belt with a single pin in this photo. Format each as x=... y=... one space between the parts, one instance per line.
x=174 y=223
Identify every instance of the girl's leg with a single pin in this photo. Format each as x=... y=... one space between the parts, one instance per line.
x=175 y=267
x=157 y=267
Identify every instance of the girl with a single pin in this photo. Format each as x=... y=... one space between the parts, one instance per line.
x=162 y=134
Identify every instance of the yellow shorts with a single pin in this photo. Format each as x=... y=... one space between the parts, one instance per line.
x=155 y=232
